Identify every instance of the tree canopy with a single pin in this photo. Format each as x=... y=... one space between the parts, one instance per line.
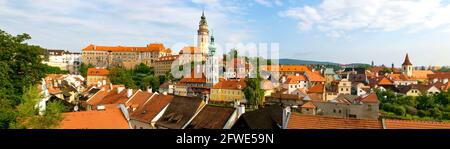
x=20 y=66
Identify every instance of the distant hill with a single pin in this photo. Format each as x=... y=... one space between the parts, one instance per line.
x=303 y=62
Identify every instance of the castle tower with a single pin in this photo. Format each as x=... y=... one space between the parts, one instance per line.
x=203 y=35
x=407 y=66
x=212 y=64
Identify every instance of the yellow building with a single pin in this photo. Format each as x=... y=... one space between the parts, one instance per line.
x=96 y=76
x=228 y=91
x=123 y=56
x=164 y=64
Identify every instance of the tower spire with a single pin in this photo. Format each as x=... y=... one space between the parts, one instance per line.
x=407 y=61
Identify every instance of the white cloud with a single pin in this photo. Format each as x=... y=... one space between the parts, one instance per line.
x=334 y=16
x=278 y=2
x=269 y=3
x=264 y=3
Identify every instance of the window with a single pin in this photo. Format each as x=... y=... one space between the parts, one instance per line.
x=369 y=107
x=334 y=110
x=340 y=111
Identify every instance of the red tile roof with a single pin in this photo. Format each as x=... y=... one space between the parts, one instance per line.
x=153 y=47
x=97 y=72
x=415 y=124
x=308 y=105
x=110 y=118
x=294 y=79
x=150 y=109
x=300 y=121
x=230 y=84
x=400 y=77
x=318 y=88
x=211 y=117
x=440 y=75
x=370 y=98
x=190 y=50
x=138 y=99
x=98 y=97
x=314 y=77
x=385 y=81
x=287 y=68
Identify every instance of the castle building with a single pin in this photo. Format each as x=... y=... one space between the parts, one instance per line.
x=123 y=56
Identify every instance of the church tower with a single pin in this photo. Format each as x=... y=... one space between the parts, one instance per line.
x=212 y=64
x=202 y=35
x=407 y=66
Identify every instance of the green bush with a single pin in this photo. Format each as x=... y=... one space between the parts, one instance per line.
x=399 y=110
x=422 y=113
x=411 y=110
x=436 y=113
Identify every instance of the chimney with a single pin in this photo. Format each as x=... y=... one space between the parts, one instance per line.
x=296 y=74
x=104 y=82
x=120 y=89
x=241 y=110
x=110 y=86
x=101 y=107
x=286 y=115
x=164 y=93
x=129 y=92
x=149 y=90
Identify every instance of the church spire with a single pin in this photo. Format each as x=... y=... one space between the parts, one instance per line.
x=407 y=62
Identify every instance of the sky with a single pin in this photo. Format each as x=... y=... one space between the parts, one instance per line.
x=342 y=31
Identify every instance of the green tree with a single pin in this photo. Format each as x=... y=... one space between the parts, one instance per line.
x=143 y=69
x=28 y=115
x=253 y=92
x=84 y=68
x=121 y=76
x=151 y=82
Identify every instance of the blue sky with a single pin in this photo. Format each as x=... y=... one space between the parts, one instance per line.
x=343 y=31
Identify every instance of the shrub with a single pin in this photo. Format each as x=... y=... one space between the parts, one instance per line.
x=399 y=110
x=411 y=110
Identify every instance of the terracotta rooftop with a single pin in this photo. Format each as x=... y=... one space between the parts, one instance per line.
x=98 y=97
x=385 y=81
x=179 y=112
x=441 y=75
x=230 y=84
x=153 y=47
x=138 y=100
x=211 y=117
x=318 y=88
x=295 y=79
x=150 y=109
x=287 y=68
x=415 y=124
x=421 y=74
x=189 y=50
x=400 y=77
x=97 y=72
x=301 y=121
x=370 y=98
x=308 y=105
x=110 y=118
x=314 y=77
